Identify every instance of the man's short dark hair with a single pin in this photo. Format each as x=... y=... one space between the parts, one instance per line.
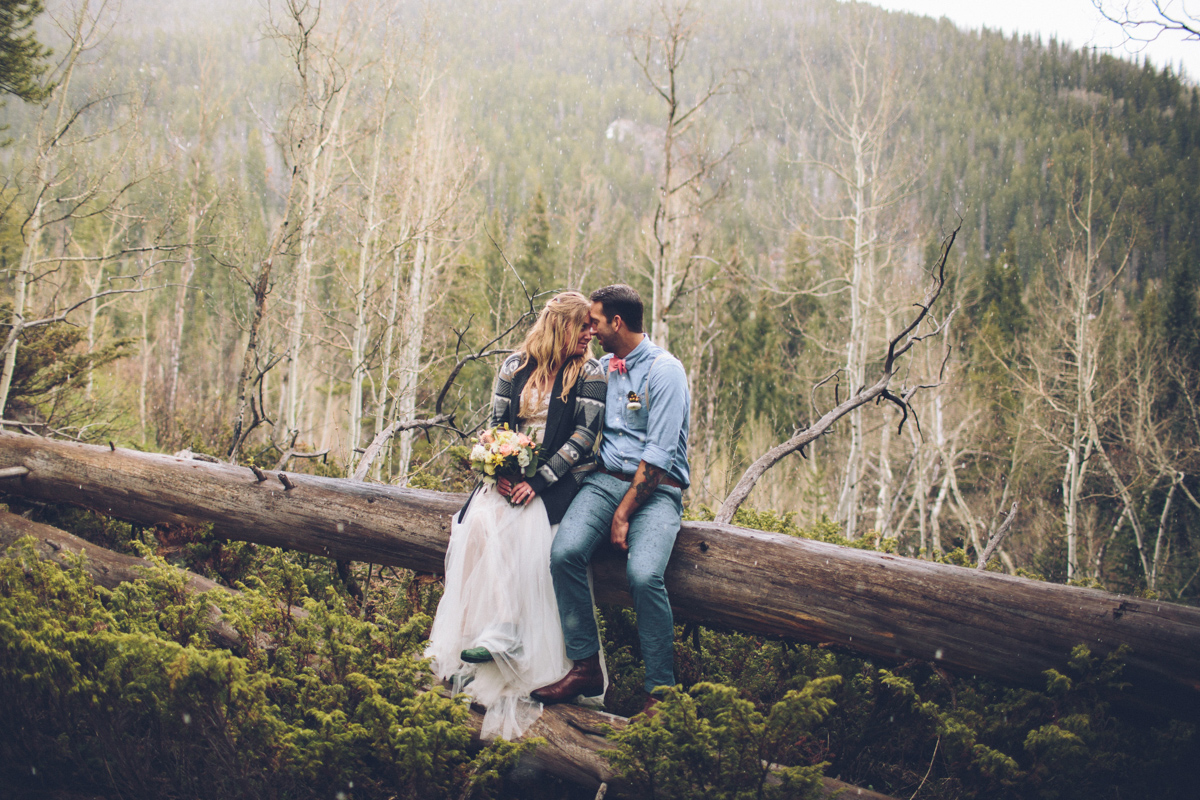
x=621 y=301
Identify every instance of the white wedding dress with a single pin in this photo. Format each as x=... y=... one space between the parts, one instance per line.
x=499 y=595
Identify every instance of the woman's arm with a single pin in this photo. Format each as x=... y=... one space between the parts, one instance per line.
x=589 y=418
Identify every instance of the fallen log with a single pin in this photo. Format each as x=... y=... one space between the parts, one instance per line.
x=720 y=576
x=574 y=736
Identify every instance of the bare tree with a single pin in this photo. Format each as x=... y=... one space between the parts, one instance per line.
x=676 y=232
x=1062 y=366
x=1144 y=25
x=249 y=414
x=899 y=346
x=57 y=195
x=854 y=231
x=326 y=62
x=440 y=168
x=364 y=284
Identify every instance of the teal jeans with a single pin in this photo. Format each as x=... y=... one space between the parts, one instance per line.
x=652 y=533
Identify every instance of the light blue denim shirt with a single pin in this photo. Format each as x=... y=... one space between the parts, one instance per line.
x=656 y=433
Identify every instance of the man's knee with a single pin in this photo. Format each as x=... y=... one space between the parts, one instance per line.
x=567 y=555
x=643 y=577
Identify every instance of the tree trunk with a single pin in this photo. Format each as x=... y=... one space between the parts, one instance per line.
x=574 y=735
x=49 y=141
x=720 y=576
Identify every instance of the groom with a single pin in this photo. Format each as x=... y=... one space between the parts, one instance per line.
x=633 y=500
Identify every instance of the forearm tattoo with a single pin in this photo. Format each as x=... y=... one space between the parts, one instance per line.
x=651 y=477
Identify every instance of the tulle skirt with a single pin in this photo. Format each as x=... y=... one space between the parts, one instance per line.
x=499 y=595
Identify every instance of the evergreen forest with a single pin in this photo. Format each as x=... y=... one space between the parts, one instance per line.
x=267 y=232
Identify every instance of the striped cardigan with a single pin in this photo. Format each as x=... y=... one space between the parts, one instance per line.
x=574 y=458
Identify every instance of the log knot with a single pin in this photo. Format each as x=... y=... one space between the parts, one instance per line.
x=1125 y=606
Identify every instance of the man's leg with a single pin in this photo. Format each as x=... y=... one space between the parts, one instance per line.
x=584 y=528
x=652 y=533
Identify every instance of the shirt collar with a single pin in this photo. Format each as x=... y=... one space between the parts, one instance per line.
x=639 y=352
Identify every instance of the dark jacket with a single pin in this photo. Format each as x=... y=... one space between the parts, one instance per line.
x=572 y=429
x=560 y=424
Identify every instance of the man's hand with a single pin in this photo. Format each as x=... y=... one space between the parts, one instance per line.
x=619 y=532
x=645 y=481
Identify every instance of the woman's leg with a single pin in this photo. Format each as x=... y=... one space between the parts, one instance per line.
x=584 y=528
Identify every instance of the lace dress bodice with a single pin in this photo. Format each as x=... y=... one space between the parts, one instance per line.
x=536 y=422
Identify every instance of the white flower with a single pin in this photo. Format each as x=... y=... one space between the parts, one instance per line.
x=479 y=453
x=524 y=456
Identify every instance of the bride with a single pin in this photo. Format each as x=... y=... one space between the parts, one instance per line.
x=497 y=634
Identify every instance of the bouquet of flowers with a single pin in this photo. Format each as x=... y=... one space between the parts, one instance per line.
x=501 y=453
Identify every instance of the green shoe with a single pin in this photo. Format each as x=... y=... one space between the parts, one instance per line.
x=476 y=655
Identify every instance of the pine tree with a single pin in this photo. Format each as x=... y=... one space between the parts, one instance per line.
x=22 y=56
x=535 y=264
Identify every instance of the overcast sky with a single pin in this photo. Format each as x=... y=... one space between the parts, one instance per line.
x=1073 y=21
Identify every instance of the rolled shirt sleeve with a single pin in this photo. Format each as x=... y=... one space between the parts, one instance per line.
x=666 y=429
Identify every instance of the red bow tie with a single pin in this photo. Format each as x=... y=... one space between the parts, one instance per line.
x=617 y=365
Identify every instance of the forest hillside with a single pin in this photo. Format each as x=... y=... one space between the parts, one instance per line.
x=275 y=233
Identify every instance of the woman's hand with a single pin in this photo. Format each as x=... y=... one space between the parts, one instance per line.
x=521 y=494
x=504 y=486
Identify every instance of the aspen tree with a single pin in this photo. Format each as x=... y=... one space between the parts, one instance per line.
x=440 y=170
x=854 y=232
x=675 y=234
x=368 y=261
x=326 y=66
x=57 y=193
x=1064 y=362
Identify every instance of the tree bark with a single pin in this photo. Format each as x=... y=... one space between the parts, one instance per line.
x=720 y=576
x=574 y=735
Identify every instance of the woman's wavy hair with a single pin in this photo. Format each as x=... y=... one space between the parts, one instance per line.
x=550 y=344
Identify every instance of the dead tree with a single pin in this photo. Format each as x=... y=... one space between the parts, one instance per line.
x=56 y=193
x=1143 y=27
x=682 y=198
x=900 y=344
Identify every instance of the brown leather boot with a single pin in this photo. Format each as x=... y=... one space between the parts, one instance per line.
x=585 y=678
x=648 y=708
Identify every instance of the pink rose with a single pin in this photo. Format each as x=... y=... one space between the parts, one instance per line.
x=486 y=437
x=506 y=450
x=524 y=440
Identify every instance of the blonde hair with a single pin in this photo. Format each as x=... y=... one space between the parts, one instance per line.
x=551 y=344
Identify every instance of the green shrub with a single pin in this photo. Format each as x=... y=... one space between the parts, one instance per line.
x=122 y=691
x=711 y=743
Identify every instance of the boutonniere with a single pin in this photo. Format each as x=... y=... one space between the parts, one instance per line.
x=635 y=402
